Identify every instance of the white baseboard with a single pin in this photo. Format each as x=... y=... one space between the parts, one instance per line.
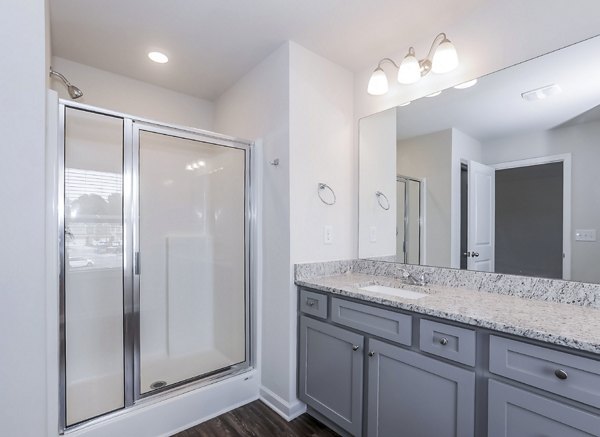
x=287 y=410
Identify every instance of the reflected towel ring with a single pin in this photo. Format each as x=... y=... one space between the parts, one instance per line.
x=379 y=195
x=322 y=187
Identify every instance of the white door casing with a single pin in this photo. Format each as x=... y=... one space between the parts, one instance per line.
x=481 y=217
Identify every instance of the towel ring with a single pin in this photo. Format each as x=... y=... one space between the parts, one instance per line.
x=322 y=187
x=379 y=195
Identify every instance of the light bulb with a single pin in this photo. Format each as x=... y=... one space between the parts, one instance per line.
x=445 y=58
x=378 y=84
x=410 y=70
x=158 y=57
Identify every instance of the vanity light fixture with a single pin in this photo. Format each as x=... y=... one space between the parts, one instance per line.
x=542 y=93
x=158 y=57
x=442 y=58
x=464 y=85
x=437 y=93
x=405 y=103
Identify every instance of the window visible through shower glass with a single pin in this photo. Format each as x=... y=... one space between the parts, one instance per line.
x=93 y=264
x=192 y=276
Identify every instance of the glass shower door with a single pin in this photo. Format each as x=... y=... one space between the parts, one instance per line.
x=192 y=260
x=92 y=358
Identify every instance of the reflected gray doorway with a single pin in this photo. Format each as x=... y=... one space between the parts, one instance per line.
x=529 y=220
x=409 y=218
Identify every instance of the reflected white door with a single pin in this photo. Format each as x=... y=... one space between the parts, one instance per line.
x=482 y=201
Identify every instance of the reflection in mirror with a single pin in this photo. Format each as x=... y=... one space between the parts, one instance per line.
x=500 y=176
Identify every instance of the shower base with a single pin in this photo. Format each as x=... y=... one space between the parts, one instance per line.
x=88 y=398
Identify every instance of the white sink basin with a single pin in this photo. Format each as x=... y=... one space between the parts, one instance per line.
x=391 y=291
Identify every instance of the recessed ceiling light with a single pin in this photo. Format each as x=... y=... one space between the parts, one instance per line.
x=405 y=104
x=437 y=93
x=464 y=85
x=158 y=57
x=542 y=93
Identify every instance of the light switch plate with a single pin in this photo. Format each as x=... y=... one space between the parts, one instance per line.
x=585 y=235
x=373 y=234
x=327 y=234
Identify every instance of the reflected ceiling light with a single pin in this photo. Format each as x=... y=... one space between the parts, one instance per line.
x=442 y=58
x=542 y=93
x=437 y=93
x=406 y=103
x=464 y=85
x=158 y=57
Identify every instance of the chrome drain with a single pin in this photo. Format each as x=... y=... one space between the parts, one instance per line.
x=158 y=384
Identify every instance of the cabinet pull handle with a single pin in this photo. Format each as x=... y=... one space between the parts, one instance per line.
x=371 y=353
x=310 y=302
x=443 y=341
x=561 y=374
x=355 y=348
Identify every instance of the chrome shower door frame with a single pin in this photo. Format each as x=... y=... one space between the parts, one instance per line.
x=144 y=126
x=132 y=126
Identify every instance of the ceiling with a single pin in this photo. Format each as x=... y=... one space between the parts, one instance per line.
x=493 y=108
x=213 y=43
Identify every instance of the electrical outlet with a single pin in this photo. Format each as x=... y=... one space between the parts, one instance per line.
x=373 y=234
x=585 y=235
x=327 y=234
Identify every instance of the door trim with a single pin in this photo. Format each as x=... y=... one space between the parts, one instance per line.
x=566 y=159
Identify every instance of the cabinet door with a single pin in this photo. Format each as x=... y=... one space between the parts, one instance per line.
x=417 y=396
x=516 y=412
x=331 y=372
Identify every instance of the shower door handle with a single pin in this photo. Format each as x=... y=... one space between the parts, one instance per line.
x=136 y=263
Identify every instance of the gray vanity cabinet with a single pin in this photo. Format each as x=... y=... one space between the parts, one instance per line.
x=410 y=394
x=516 y=412
x=331 y=372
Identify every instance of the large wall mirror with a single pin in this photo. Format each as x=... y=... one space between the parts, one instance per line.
x=498 y=175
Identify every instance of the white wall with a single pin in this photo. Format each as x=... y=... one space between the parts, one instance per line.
x=429 y=157
x=377 y=172
x=321 y=127
x=122 y=94
x=257 y=107
x=581 y=140
x=300 y=105
x=22 y=195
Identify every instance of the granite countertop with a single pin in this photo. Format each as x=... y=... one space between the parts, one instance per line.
x=561 y=324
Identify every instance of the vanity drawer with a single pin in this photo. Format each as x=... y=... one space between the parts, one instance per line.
x=451 y=342
x=567 y=375
x=393 y=326
x=314 y=304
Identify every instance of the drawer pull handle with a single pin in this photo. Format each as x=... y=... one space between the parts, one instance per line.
x=561 y=374
x=371 y=353
x=355 y=348
x=310 y=302
x=444 y=341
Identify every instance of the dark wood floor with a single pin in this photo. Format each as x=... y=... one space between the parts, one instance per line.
x=257 y=420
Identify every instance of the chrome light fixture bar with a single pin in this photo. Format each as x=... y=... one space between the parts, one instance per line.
x=442 y=58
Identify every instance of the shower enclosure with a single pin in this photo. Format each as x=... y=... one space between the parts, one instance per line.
x=409 y=218
x=154 y=243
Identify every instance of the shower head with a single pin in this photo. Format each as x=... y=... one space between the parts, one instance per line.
x=74 y=92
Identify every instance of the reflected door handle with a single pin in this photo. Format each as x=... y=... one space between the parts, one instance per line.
x=474 y=254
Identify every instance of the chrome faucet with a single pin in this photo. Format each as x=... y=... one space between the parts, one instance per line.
x=415 y=280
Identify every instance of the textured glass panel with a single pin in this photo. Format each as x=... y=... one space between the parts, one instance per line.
x=93 y=264
x=192 y=252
